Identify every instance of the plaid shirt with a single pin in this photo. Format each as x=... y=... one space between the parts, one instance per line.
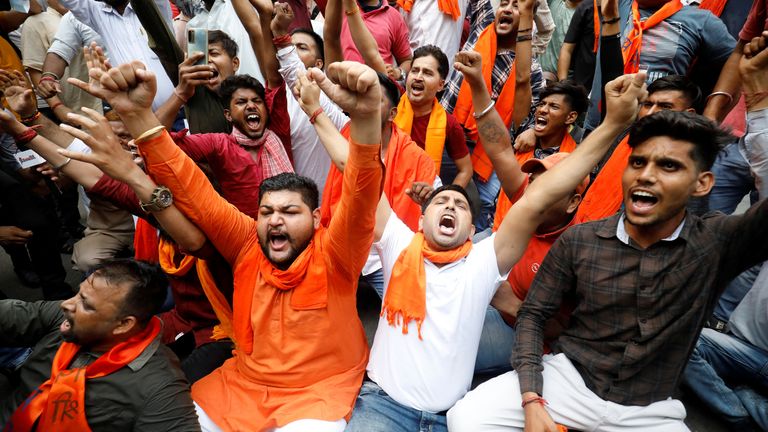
x=481 y=16
x=639 y=311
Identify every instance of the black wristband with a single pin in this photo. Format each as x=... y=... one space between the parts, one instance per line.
x=610 y=21
x=524 y=38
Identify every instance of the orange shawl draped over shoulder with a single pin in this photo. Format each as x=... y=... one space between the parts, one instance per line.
x=604 y=196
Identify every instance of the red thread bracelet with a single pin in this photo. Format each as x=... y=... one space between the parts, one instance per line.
x=313 y=117
x=538 y=399
x=25 y=137
x=56 y=105
x=31 y=118
x=282 y=40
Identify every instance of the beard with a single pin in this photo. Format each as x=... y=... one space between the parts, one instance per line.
x=295 y=249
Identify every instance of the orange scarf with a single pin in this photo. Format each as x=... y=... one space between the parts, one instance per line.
x=486 y=46
x=406 y=297
x=145 y=241
x=448 y=7
x=438 y=120
x=632 y=45
x=504 y=203
x=604 y=196
x=404 y=164
x=307 y=277
x=167 y=255
x=59 y=403
x=714 y=6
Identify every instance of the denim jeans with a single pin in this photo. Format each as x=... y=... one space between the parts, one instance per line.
x=733 y=180
x=376 y=281
x=721 y=370
x=375 y=411
x=734 y=292
x=496 y=344
x=488 y=192
x=12 y=358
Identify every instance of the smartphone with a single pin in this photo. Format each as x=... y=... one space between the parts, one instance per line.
x=197 y=41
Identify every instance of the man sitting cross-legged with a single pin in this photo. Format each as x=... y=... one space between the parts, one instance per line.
x=645 y=281
x=97 y=363
x=300 y=346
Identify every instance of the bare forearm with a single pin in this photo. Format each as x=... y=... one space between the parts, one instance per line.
x=727 y=90
x=564 y=61
x=82 y=173
x=333 y=141
x=51 y=131
x=465 y=168
x=332 y=32
x=54 y=64
x=363 y=39
x=168 y=111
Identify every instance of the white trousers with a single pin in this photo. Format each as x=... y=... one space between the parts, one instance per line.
x=495 y=405
x=303 y=425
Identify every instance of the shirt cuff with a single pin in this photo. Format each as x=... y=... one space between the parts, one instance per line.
x=284 y=52
x=364 y=155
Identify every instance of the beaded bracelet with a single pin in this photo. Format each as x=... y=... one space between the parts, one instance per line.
x=31 y=118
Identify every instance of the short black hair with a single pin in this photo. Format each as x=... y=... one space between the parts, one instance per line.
x=691 y=92
x=148 y=286
x=219 y=37
x=575 y=94
x=316 y=37
x=437 y=53
x=236 y=82
x=449 y=187
x=390 y=89
x=707 y=138
x=295 y=183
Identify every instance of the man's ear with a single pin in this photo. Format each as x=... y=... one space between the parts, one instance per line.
x=441 y=86
x=704 y=184
x=573 y=203
x=236 y=64
x=319 y=63
x=125 y=325
x=571 y=119
x=227 y=115
x=316 y=218
x=421 y=223
x=392 y=113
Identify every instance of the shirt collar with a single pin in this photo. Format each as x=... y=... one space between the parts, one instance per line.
x=623 y=235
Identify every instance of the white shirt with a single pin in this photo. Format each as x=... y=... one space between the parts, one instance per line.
x=427 y=24
x=310 y=158
x=223 y=17
x=72 y=36
x=125 y=38
x=434 y=373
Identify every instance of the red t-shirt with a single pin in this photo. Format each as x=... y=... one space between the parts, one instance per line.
x=757 y=21
x=389 y=30
x=455 y=141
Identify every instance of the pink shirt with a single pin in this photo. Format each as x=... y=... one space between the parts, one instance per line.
x=388 y=29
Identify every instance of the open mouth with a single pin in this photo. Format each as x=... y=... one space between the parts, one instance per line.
x=253 y=120
x=278 y=241
x=447 y=224
x=214 y=77
x=417 y=88
x=506 y=21
x=642 y=201
x=540 y=123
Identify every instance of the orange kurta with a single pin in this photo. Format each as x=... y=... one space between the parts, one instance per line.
x=299 y=364
x=405 y=163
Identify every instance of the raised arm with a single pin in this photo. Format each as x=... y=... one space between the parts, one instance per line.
x=364 y=41
x=753 y=68
x=493 y=132
x=309 y=100
x=564 y=61
x=258 y=27
x=623 y=96
x=523 y=92
x=53 y=67
x=130 y=89
x=355 y=88
x=332 y=32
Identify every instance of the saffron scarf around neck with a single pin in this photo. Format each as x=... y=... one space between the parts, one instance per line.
x=406 y=296
x=307 y=278
x=59 y=403
x=503 y=204
x=448 y=7
x=438 y=120
x=605 y=195
x=486 y=46
x=633 y=43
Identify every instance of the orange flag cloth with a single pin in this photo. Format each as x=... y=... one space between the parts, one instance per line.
x=59 y=403
x=404 y=164
x=435 y=139
x=486 y=46
x=406 y=296
x=604 y=197
x=503 y=204
x=631 y=47
x=448 y=7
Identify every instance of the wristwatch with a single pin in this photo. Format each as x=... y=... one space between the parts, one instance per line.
x=162 y=198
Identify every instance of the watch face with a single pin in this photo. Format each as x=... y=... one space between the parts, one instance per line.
x=164 y=198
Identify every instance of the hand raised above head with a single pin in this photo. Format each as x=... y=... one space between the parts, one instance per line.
x=470 y=64
x=753 y=68
x=623 y=97
x=282 y=19
x=21 y=99
x=419 y=192
x=129 y=87
x=353 y=86
x=263 y=6
x=609 y=9
x=106 y=151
